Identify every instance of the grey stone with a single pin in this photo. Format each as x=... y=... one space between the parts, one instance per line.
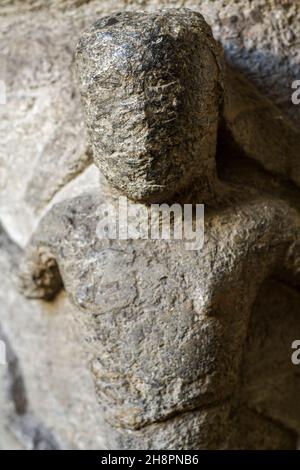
x=47 y=399
x=152 y=88
x=258 y=39
x=43 y=115
x=172 y=341
x=166 y=327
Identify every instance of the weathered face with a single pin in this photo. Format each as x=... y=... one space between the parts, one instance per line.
x=150 y=87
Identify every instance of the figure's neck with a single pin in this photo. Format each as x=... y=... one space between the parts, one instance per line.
x=210 y=193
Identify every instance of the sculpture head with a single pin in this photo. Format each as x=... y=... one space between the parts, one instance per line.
x=151 y=88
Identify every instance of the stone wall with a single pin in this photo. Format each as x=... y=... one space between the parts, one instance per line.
x=47 y=395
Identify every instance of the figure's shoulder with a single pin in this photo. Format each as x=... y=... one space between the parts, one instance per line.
x=68 y=216
x=245 y=224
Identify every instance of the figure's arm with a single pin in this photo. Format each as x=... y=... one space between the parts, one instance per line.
x=262 y=239
x=39 y=275
x=59 y=246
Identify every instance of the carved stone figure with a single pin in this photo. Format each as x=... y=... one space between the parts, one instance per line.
x=165 y=326
x=153 y=90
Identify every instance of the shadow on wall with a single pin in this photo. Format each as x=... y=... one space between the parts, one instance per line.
x=270 y=385
x=272 y=75
x=33 y=434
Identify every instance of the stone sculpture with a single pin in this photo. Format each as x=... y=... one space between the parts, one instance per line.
x=165 y=326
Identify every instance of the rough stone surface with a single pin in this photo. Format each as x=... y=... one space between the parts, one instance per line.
x=152 y=89
x=166 y=326
x=260 y=38
x=184 y=314
x=266 y=360
x=259 y=128
x=47 y=397
x=43 y=148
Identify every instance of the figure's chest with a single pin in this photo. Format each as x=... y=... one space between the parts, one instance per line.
x=139 y=275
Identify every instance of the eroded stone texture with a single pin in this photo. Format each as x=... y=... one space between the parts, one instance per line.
x=166 y=326
x=267 y=359
x=252 y=32
x=259 y=128
x=47 y=399
x=43 y=142
x=152 y=89
x=42 y=133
